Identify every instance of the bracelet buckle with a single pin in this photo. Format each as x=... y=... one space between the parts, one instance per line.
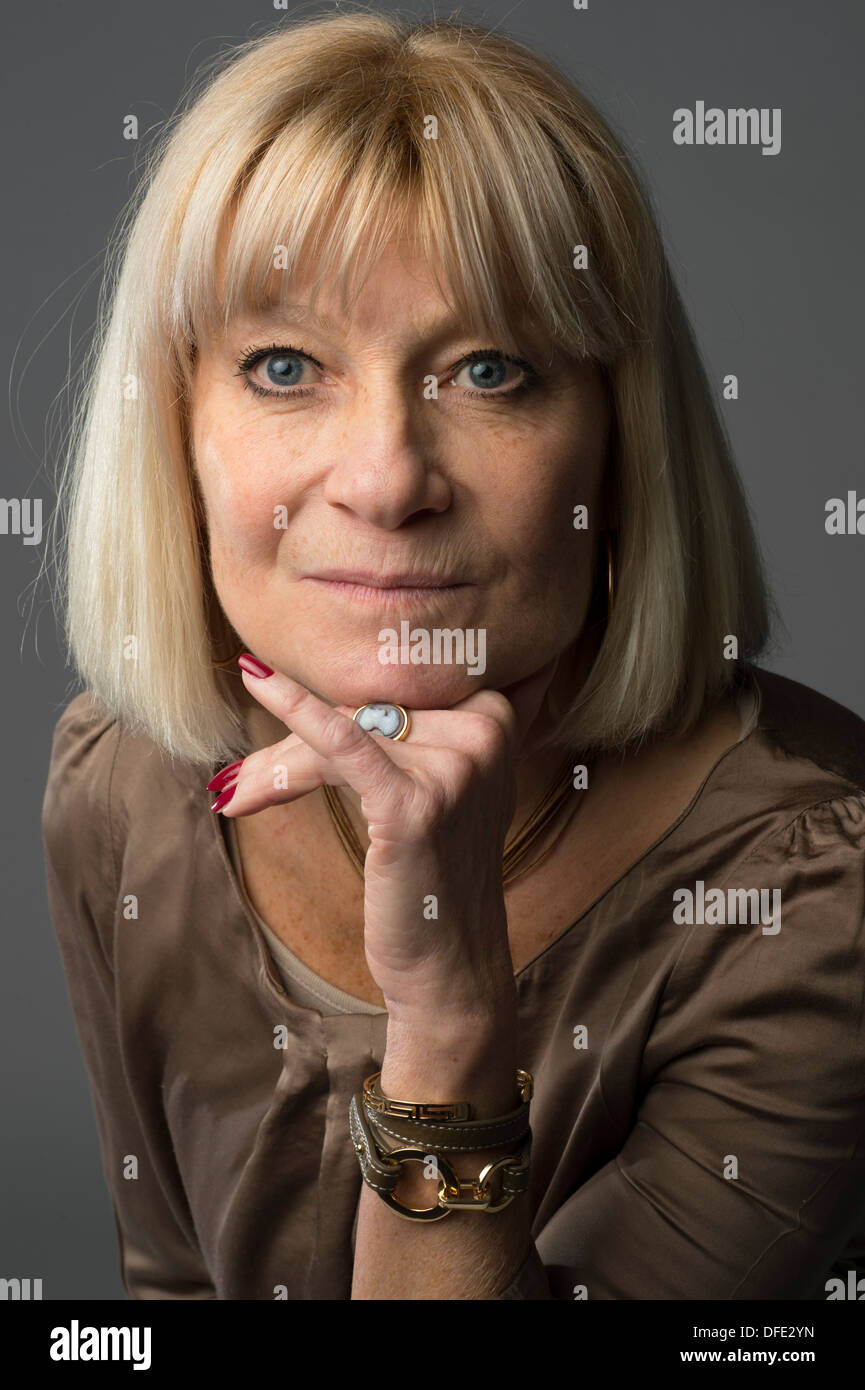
x=472 y=1194
x=516 y=1164
x=447 y=1182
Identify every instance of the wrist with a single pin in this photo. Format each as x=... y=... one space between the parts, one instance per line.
x=461 y=1016
x=477 y=1064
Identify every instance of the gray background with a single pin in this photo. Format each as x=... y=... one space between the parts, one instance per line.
x=767 y=254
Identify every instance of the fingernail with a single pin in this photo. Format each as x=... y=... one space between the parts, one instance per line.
x=218 y=782
x=253 y=666
x=223 y=799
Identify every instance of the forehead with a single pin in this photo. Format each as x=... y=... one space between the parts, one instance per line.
x=412 y=323
x=345 y=295
x=395 y=318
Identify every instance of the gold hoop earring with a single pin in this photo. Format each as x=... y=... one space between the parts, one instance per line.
x=221 y=665
x=611 y=587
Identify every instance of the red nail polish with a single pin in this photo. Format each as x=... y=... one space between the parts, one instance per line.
x=223 y=799
x=253 y=666
x=218 y=782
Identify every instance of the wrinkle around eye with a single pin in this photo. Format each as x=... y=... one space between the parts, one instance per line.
x=531 y=382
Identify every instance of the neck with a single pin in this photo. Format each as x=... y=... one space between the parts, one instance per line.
x=534 y=768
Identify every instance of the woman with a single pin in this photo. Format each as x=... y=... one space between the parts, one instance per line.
x=396 y=414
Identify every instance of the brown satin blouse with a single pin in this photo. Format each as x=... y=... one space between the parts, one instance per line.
x=699 y=1108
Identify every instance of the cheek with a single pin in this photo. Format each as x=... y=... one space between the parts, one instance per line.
x=233 y=477
x=535 y=518
x=571 y=478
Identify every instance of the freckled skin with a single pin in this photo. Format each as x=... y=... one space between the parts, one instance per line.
x=367 y=473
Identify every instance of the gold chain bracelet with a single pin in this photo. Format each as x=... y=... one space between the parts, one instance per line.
x=423 y=1129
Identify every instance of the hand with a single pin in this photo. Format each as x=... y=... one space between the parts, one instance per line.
x=438 y=807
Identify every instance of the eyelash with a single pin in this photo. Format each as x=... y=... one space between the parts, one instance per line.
x=251 y=356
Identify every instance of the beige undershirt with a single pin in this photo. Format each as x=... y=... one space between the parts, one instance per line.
x=304 y=985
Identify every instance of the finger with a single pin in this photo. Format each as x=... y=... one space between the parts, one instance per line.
x=429 y=727
x=285 y=771
x=359 y=756
x=285 y=775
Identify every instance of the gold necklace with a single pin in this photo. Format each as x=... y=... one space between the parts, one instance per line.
x=515 y=852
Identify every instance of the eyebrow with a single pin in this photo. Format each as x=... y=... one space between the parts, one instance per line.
x=275 y=313
x=302 y=313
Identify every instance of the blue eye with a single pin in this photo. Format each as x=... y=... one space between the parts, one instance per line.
x=480 y=373
x=279 y=370
x=283 y=367
x=487 y=368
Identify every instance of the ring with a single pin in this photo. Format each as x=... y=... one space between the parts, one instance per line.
x=391 y=721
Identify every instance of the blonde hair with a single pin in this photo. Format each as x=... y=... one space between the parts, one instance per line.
x=314 y=138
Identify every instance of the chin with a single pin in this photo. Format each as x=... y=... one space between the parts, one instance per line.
x=415 y=687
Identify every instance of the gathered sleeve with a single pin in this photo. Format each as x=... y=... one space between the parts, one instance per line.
x=159 y=1254
x=743 y=1176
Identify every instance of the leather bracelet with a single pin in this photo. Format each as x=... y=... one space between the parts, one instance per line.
x=381 y=1171
x=468 y=1138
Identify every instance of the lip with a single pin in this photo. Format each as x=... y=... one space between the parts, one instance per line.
x=385 y=590
x=404 y=579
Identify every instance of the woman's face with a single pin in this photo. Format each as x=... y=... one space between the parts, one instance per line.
x=332 y=454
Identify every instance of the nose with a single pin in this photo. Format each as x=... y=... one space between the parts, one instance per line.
x=386 y=471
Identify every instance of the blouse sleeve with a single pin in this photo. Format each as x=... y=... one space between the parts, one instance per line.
x=743 y=1176
x=159 y=1256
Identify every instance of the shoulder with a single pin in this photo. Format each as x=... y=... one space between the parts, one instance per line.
x=84 y=748
x=781 y=837
x=804 y=724
x=784 y=805
x=794 y=794
x=103 y=778
x=772 y=896
x=79 y=848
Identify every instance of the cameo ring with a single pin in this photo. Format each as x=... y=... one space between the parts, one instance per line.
x=391 y=721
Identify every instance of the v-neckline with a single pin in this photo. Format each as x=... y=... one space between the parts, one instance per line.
x=270 y=965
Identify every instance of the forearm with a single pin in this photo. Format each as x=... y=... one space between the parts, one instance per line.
x=466 y=1255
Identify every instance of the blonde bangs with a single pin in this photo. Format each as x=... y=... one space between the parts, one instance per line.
x=487 y=204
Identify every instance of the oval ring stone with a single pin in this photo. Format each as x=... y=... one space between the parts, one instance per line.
x=380 y=719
